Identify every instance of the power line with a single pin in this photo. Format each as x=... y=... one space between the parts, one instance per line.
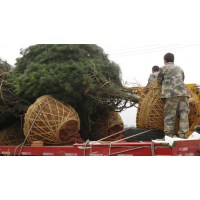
x=155 y=51
x=134 y=48
x=147 y=49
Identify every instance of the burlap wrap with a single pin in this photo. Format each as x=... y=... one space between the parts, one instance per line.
x=12 y=135
x=151 y=108
x=51 y=121
x=106 y=126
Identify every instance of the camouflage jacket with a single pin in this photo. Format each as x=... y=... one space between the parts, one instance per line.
x=152 y=77
x=172 y=79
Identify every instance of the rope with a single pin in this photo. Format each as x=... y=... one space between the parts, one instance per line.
x=33 y=124
x=125 y=139
x=107 y=126
x=129 y=150
x=151 y=108
x=4 y=74
x=57 y=124
x=87 y=142
x=114 y=134
x=17 y=148
x=12 y=135
x=91 y=149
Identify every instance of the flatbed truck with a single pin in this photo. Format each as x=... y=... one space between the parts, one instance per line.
x=122 y=148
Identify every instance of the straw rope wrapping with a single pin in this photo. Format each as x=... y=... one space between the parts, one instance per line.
x=56 y=124
x=12 y=135
x=3 y=75
x=10 y=104
x=151 y=108
x=106 y=126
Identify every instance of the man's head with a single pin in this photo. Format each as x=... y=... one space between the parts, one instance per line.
x=197 y=129
x=155 y=69
x=169 y=57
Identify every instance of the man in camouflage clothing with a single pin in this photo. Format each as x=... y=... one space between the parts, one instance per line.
x=154 y=75
x=175 y=95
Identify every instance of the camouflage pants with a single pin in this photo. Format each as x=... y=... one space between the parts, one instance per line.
x=174 y=106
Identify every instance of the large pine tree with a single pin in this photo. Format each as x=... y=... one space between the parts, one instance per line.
x=80 y=75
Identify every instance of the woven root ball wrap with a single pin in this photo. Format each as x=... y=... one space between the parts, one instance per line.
x=107 y=125
x=8 y=102
x=12 y=135
x=151 y=108
x=51 y=121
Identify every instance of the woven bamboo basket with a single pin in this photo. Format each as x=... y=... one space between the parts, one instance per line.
x=12 y=135
x=52 y=122
x=105 y=126
x=151 y=108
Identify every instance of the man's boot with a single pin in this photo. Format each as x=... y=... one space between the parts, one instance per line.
x=170 y=135
x=183 y=136
x=176 y=136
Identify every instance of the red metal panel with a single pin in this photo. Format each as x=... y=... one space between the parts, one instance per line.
x=186 y=143
x=42 y=151
x=119 y=144
x=187 y=148
x=180 y=148
x=75 y=151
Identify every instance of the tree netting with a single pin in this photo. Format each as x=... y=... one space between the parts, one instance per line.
x=105 y=125
x=11 y=106
x=12 y=135
x=79 y=75
x=7 y=101
x=52 y=122
x=151 y=108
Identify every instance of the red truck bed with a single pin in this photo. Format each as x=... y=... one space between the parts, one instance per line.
x=179 y=148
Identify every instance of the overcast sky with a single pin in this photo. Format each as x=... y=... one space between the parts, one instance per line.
x=136 y=62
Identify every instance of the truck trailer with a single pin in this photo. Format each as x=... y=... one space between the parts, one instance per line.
x=127 y=146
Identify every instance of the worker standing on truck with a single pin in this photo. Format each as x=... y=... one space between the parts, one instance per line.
x=154 y=75
x=175 y=94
